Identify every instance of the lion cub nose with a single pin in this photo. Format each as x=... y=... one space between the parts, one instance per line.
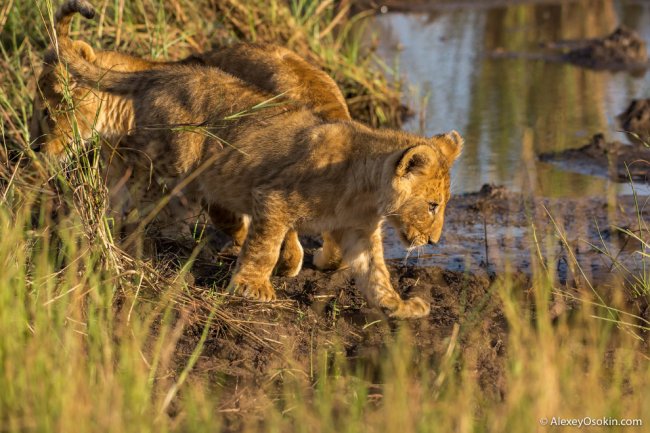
x=434 y=238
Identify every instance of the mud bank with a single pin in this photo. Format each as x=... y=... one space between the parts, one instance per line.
x=323 y=315
x=490 y=236
x=615 y=160
x=496 y=231
x=424 y=6
x=622 y=50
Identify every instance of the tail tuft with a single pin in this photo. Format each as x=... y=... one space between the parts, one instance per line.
x=84 y=8
x=71 y=7
x=67 y=11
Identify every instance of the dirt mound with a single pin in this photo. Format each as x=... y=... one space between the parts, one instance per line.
x=323 y=312
x=635 y=122
x=602 y=158
x=623 y=49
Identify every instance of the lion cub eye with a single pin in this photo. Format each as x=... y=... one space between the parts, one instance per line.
x=433 y=207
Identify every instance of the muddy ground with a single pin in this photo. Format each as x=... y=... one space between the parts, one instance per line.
x=488 y=235
x=618 y=161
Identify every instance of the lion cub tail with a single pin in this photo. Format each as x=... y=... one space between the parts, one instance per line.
x=67 y=11
x=86 y=72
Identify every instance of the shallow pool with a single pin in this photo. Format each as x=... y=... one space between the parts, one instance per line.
x=510 y=110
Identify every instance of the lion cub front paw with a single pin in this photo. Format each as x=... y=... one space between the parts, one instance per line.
x=413 y=308
x=230 y=249
x=256 y=290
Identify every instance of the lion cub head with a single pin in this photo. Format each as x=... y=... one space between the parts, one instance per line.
x=421 y=183
x=52 y=117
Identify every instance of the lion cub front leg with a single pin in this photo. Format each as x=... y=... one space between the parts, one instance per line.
x=257 y=259
x=364 y=253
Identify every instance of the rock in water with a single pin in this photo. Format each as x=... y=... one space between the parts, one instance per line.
x=600 y=157
x=623 y=49
x=635 y=122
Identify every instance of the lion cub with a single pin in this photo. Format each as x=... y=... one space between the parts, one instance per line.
x=287 y=168
x=270 y=68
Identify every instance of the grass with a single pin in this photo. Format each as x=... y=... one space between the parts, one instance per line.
x=94 y=340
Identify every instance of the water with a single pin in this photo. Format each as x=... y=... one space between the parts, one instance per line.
x=494 y=103
x=508 y=110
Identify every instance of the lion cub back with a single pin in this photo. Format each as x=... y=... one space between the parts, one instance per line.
x=270 y=68
x=278 y=70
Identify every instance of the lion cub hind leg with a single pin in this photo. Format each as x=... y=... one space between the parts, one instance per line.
x=257 y=259
x=234 y=225
x=329 y=256
x=363 y=252
x=291 y=255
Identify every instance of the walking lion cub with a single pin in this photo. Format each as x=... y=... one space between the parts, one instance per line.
x=286 y=167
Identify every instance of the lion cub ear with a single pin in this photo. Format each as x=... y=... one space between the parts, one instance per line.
x=415 y=160
x=86 y=51
x=450 y=144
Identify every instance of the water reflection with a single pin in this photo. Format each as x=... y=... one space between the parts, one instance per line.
x=494 y=101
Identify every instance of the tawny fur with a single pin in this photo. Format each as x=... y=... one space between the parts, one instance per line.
x=288 y=169
x=278 y=70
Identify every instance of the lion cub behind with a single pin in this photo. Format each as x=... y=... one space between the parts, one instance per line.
x=270 y=68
